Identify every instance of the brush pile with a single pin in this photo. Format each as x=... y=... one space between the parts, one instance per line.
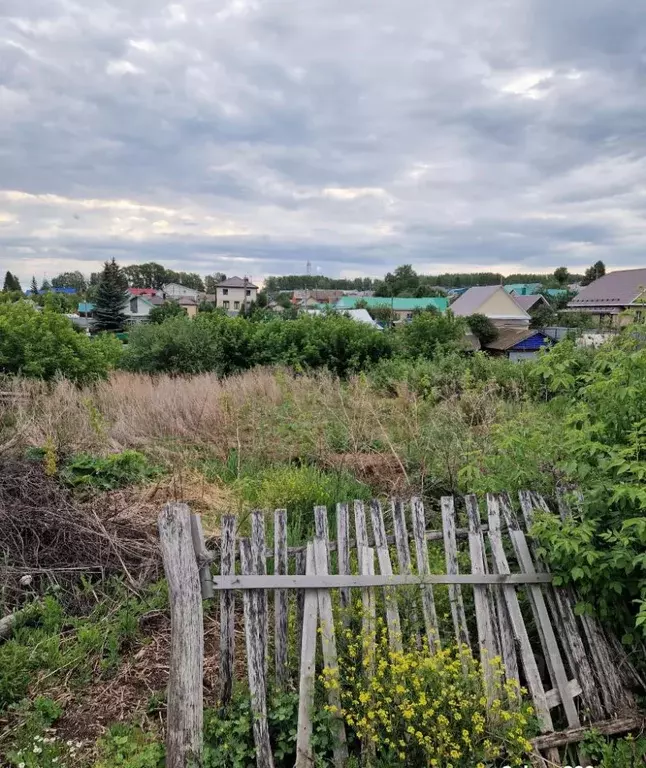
x=47 y=536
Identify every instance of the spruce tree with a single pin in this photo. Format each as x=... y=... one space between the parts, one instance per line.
x=34 y=287
x=11 y=283
x=111 y=299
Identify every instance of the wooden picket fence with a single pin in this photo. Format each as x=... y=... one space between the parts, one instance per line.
x=585 y=675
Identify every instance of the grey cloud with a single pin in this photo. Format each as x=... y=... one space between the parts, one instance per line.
x=354 y=135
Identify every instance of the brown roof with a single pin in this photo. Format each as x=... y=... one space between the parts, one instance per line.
x=187 y=301
x=528 y=302
x=508 y=337
x=618 y=289
x=236 y=282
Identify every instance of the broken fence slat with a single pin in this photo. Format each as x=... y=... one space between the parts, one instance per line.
x=424 y=573
x=202 y=556
x=280 y=597
x=328 y=642
x=403 y=557
x=484 y=616
x=451 y=555
x=253 y=609
x=558 y=675
x=227 y=609
x=259 y=566
x=343 y=549
x=304 y=750
x=386 y=569
x=519 y=629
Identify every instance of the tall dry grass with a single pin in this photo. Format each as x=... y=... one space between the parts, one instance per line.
x=265 y=416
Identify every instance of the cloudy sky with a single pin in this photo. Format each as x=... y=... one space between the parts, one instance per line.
x=250 y=136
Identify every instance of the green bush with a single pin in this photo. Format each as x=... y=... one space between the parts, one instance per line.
x=44 y=345
x=215 y=342
x=429 y=334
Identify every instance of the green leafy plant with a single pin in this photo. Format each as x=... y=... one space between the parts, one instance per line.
x=604 y=752
x=113 y=471
x=128 y=746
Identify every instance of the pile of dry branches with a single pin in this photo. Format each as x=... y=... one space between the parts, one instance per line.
x=47 y=534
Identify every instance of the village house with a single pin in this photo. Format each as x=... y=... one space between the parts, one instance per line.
x=234 y=293
x=493 y=301
x=616 y=299
x=176 y=291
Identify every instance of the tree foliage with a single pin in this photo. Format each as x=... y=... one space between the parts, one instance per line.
x=153 y=275
x=211 y=281
x=11 y=283
x=430 y=333
x=44 y=345
x=74 y=280
x=597 y=270
x=111 y=299
x=482 y=328
x=165 y=311
x=561 y=275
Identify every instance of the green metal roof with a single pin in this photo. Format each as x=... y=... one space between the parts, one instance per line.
x=399 y=305
x=556 y=292
x=522 y=289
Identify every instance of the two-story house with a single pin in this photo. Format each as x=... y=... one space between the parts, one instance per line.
x=234 y=293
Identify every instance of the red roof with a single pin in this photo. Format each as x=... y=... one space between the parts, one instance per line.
x=142 y=291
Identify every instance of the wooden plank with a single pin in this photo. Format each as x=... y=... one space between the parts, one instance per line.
x=451 y=555
x=328 y=641
x=322 y=529
x=343 y=549
x=624 y=724
x=551 y=649
x=614 y=695
x=532 y=675
x=227 y=609
x=424 y=573
x=300 y=567
x=202 y=556
x=386 y=569
x=255 y=642
x=484 y=614
x=369 y=606
x=259 y=565
x=360 y=527
x=280 y=597
x=404 y=558
x=369 y=638
x=333 y=581
x=304 y=749
x=561 y=609
x=184 y=720
x=553 y=697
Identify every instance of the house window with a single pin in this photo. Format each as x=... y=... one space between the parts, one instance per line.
x=225 y=291
x=236 y=305
x=409 y=315
x=133 y=305
x=248 y=291
x=225 y=304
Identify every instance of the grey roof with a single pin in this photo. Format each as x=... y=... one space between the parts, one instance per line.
x=618 y=289
x=236 y=282
x=527 y=302
x=156 y=300
x=187 y=301
x=471 y=300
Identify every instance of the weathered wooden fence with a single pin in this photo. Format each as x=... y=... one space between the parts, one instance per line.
x=584 y=677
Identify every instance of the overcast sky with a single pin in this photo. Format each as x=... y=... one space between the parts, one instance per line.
x=250 y=136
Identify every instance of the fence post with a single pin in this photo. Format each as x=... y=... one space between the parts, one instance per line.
x=185 y=698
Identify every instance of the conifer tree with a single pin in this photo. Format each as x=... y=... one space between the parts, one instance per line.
x=111 y=299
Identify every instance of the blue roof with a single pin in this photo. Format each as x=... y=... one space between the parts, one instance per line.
x=397 y=304
x=522 y=289
x=532 y=343
x=85 y=307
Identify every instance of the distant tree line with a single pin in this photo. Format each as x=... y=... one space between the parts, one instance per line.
x=276 y=284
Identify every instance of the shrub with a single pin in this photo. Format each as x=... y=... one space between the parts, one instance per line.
x=482 y=327
x=429 y=334
x=165 y=311
x=428 y=709
x=44 y=345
